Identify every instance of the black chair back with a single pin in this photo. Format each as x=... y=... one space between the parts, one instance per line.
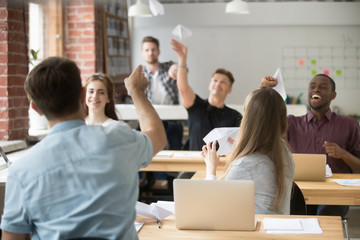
x=297 y=202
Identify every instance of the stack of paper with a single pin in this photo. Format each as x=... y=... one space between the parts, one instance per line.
x=292 y=226
x=347 y=182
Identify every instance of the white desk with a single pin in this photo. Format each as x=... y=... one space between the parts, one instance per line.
x=178 y=112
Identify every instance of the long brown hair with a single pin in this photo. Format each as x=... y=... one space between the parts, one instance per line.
x=263 y=130
x=110 y=106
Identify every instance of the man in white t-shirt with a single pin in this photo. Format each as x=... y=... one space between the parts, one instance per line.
x=162 y=88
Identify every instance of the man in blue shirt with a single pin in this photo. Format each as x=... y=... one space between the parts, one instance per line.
x=79 y=181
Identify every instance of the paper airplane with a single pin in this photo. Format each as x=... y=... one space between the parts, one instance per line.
x=153 y=210
x=181 y=32
x=222 y=135
x=156 y=8
x=280 y=88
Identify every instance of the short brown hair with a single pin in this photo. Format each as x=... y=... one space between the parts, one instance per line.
x=151 y=39
x=55 y=87
x=226 y=73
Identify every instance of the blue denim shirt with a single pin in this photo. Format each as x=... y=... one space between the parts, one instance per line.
x=78 y=181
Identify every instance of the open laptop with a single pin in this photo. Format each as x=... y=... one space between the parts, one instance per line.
x=214 y=204
x=310 y=167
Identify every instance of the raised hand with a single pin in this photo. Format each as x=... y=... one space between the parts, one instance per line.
x=136 y=82
x=179 y=48
x=268 y=81
x=212 y=158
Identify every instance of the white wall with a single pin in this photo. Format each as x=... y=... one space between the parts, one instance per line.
x=251 y=46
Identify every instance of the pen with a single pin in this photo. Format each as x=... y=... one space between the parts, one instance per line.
x=159 y=223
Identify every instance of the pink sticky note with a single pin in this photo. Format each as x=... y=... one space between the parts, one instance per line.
x=301 y=62
x=326 y=71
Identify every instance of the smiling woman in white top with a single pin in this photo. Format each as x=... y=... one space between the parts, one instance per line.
x=100 y=106
x=260 y=153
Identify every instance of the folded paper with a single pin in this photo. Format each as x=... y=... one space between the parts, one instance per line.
x=222 y=135
x=156 y=7
x=280 y=88
x=153 y=210
x=181 y=32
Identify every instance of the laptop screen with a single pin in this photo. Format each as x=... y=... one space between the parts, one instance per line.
x=214 y=204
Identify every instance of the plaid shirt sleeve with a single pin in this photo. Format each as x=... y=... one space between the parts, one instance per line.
x=168 y=83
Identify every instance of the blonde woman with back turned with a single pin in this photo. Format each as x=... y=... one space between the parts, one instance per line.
x=260 y=153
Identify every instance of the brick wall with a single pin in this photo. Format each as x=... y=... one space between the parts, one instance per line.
x=13 y=69
x=82 y=41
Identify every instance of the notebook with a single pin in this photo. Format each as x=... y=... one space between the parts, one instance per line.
x=214 y=204
x=310 y=167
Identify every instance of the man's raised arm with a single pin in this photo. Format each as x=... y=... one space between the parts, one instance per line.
x=149 y=120
x=187 y=93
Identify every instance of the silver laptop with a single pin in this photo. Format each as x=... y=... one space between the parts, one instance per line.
x=309 y=167
x=214 y=204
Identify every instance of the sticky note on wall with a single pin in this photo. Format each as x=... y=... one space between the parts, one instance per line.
x=301 y=62
x=338 y=72
x=313 y=72
x=326 y=71
x=313 y=62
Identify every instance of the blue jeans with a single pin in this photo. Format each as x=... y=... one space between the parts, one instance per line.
x=174 y=133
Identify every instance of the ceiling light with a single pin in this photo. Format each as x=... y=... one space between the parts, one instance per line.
x=139 y=9
x=237 y=7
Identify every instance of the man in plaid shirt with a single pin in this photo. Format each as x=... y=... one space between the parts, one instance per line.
x=162 y=87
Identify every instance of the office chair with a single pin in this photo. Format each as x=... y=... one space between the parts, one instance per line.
x=344 y=222
x=297 y=201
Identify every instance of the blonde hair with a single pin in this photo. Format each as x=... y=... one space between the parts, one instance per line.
x=263 y=130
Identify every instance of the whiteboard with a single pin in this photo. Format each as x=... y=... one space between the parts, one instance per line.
x=252 y=46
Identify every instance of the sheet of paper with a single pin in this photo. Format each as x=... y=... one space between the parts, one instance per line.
x=282 y=224
x=222 y=136
x=181 y=32
x=156 y=7
x=138 y=226
x=347 y=182
x=168 y=205
x=152 y=211
x=164 y=154
x=186 y=154
x=289 y=225
x=328 y=171
x=280 y=88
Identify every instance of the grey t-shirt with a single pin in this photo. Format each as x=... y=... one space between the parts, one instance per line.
x=259 y=168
